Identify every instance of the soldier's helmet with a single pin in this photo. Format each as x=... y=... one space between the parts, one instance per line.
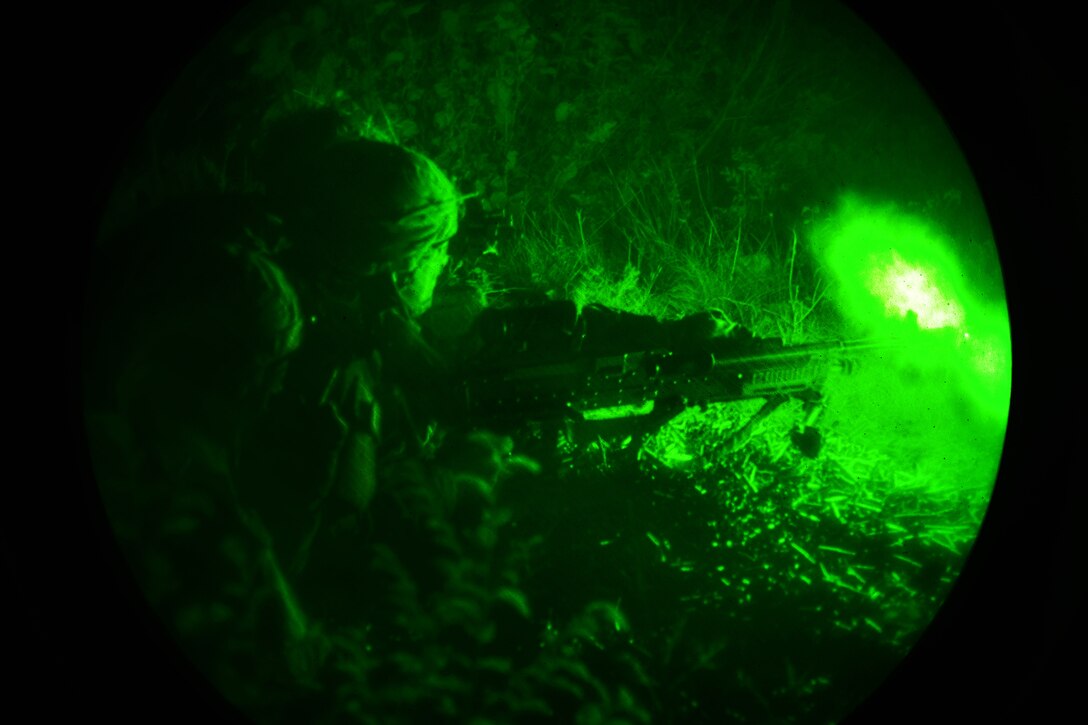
x=356 y=207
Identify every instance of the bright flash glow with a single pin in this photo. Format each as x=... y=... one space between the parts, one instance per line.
x=908 y=288
x=893 y=271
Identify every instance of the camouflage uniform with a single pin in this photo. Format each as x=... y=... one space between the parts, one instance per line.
x=365 y=229
x=189 y=337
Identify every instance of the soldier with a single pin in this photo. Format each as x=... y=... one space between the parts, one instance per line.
x=360 y=459
x=189 y=339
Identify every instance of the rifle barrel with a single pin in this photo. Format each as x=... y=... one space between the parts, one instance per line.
x=805 y=350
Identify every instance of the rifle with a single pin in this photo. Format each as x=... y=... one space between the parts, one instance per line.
x=612 y=373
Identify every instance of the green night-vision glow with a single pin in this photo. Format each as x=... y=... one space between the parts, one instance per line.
x=898 y=275
x=596 y=411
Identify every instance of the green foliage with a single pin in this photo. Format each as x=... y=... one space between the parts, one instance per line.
x=538 y=107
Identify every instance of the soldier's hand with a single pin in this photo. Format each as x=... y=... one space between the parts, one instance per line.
x=485 y=455
x=477 y=464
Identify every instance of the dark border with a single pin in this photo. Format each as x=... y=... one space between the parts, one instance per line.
x=84 y=642
x=1004 y=81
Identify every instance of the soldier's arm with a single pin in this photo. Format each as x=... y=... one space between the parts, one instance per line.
x=355 y=475
x=353 y=469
